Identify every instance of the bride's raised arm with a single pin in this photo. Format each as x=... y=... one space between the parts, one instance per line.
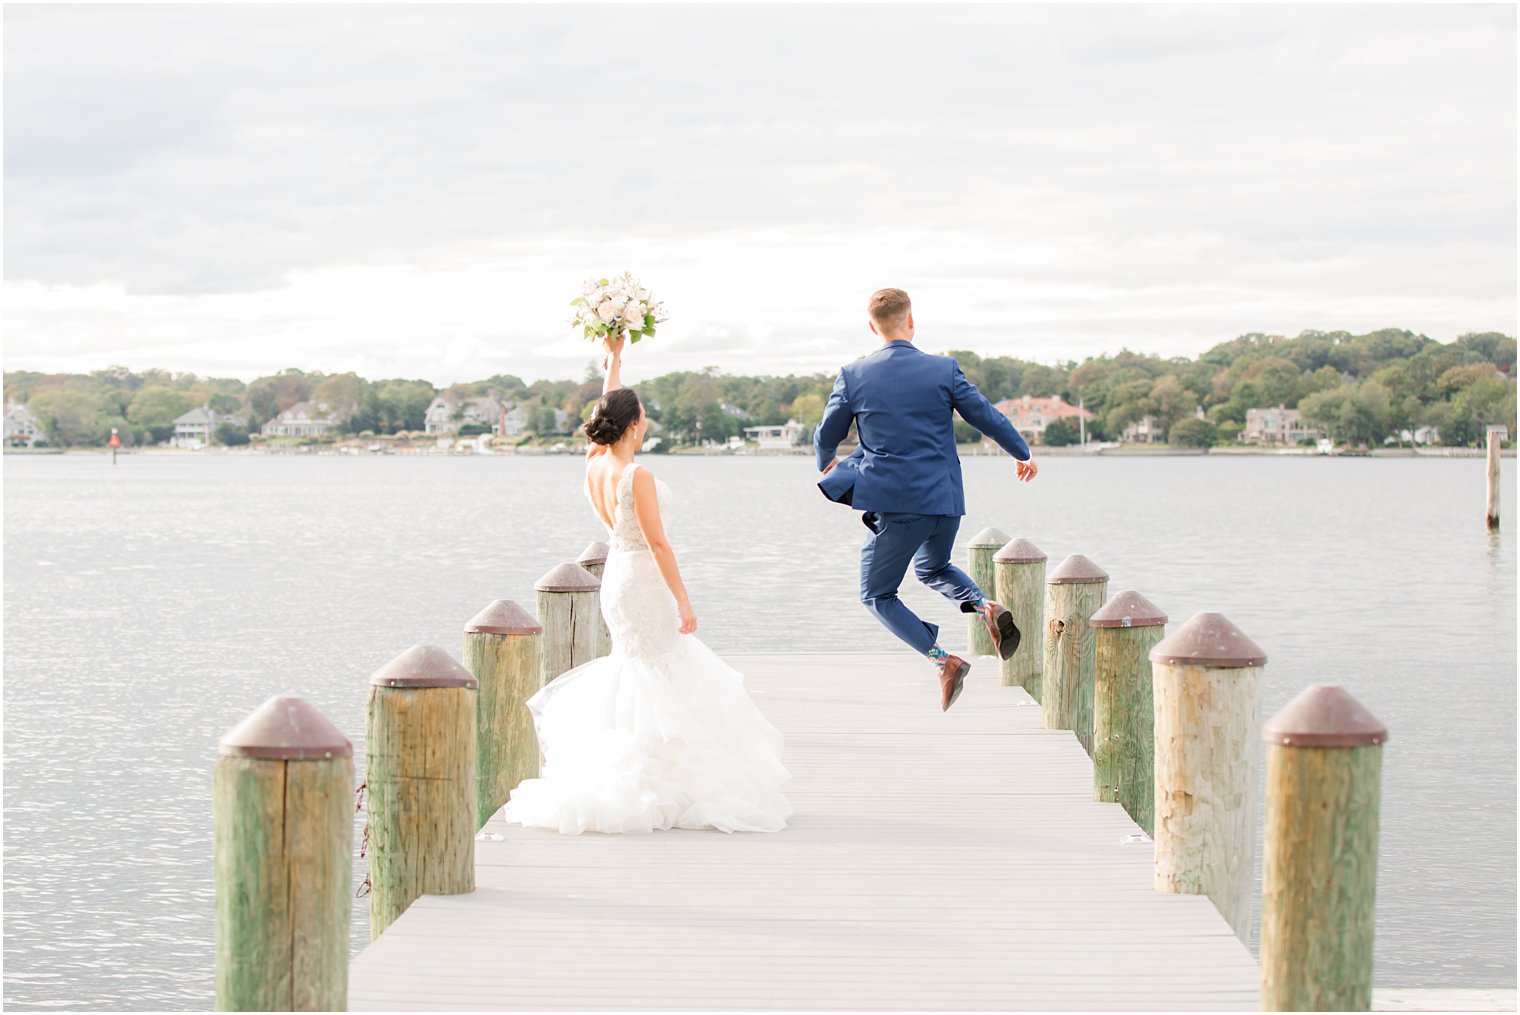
x=613 y=363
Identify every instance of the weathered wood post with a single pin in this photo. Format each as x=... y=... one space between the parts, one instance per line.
x=419 y=756
x=570 y=611
x=1020 y=570
x=1127 y=628
x=1075 y=591
x=501 y=645
x=283 y=837
x=1319 y=872
x=1207 y=686
x=979 y=556
x=594 y=559
x=1491 y=510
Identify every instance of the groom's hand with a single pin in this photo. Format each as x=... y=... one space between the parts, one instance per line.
x=829 y=466
x=1026 y=470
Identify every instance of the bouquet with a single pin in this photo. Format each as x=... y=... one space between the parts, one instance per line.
x=616 y=308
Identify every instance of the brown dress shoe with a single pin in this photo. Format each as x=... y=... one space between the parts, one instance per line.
x=1000 y=625
x=952 y=680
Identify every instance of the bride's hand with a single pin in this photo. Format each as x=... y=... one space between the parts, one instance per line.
x=614 y=347
x=688 y=617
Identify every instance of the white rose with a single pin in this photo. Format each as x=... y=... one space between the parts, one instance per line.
x=634 y=315
x=607 y=312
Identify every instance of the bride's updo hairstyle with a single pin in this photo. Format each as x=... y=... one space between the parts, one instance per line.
x=616 y=411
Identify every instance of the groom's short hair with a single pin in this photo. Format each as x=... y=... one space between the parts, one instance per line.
x=889 y=308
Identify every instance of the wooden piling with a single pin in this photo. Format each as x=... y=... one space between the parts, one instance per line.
x=570 y=612
x=1491 y=508
x=979 y=556
x=419 y=753
x=594 y=559
x=283 y=835
x=1019 y=567
x=1075 y=590
x=501 y=646
x=1207 y=687
x=1319 y=871
x=1127 y=628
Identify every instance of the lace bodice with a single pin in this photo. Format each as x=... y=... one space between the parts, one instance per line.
x=625 y=530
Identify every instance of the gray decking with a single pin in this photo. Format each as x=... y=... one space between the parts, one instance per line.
x=935 y=861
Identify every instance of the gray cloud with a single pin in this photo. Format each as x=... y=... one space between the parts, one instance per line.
x=1054 y=181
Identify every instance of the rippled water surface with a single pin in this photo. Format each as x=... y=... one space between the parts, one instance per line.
x=150 y=606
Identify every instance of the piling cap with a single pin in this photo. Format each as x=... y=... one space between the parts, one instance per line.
x=1208 y=639
x=286 y=728
x=1324 y=715
x=596 y=553
x=503 y=617
x=1076 y=570
x=989 y=537
x=1128 y=609
x=1019 y=551
x=568 y=577
x=423 y=666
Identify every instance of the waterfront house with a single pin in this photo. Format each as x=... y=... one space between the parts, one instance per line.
x=446 y=415
x=194 y=429
x=1277 y=426
x=22 y=428
x=1032 y=415
x=511 y=420
x=1144 y=431
x=776 y=436
x=303 y=419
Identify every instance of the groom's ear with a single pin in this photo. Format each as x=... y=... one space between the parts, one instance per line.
x=873 y=326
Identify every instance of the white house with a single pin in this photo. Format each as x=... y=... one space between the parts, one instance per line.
x=22 y=429
x=1277 y=426
x=775 y=437
x=512 y=422
x=446 y=415
x=303 y=420
x=1144 y=431
x=194 y=429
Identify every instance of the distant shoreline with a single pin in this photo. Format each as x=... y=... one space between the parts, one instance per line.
x=967 y=451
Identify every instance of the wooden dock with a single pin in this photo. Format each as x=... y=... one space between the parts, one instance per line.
x=935 y=861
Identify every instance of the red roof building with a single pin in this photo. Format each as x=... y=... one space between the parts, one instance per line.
x=1032 y=415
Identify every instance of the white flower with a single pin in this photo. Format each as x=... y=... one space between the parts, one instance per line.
x=634 y=315
x=607 y=312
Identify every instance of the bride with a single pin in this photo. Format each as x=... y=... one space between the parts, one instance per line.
x=660 y=733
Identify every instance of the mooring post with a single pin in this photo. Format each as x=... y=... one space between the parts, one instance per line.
x=570 y=612
x=1491 y=509
x=1127 y=627
x=1319 y=871
x=501 y=646
x=1020 y=569
x=419 y=759
x=594 y=559
x=1075 y=591
x=1207 y=686
x=979 y=556
x=283 y=836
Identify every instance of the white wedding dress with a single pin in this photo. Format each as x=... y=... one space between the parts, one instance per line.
x=658 y=734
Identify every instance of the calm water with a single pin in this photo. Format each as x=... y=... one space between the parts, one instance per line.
x=150 y=606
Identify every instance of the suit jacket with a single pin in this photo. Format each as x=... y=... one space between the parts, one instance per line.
x=902 y=401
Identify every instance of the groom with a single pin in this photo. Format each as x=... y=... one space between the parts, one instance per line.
x=906 y=478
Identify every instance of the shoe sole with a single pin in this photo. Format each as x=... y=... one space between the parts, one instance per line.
x=958 y=686
x=1008 y=635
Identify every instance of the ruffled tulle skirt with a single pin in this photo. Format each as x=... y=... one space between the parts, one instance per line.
x=638 y=744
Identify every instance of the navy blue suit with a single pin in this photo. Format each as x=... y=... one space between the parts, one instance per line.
x=906 y=474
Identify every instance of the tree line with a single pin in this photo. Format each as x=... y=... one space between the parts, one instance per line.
x=1359 y=388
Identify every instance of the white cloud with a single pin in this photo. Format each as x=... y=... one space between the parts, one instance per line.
x=418 y=191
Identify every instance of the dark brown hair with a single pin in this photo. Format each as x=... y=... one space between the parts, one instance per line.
x=616 y=411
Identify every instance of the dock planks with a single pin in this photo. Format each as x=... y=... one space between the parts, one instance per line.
x=935 y=861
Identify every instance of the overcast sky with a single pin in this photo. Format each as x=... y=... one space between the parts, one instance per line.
x=419 y=191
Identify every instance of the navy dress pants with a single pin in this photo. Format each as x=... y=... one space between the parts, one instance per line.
x=927 y=541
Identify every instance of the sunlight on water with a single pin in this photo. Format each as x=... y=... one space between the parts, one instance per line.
x=151 y=606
